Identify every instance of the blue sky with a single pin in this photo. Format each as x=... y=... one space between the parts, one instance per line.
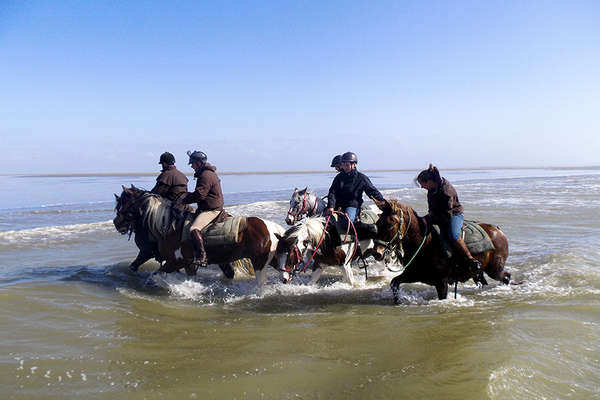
x=107 y=86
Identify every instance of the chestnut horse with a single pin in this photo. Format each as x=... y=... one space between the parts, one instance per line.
x=145 y=210
x=401 y=229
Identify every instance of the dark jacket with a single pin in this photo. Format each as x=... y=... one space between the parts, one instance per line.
x=171 y=183
x=443 y=203
x=208 y=192
x=347 y=190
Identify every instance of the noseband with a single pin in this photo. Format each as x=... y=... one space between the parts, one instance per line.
x=396 y=241
x=305 y=208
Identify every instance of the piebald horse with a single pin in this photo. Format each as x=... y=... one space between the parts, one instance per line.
x=257 y=240
x=304 y=203
x=313 y=242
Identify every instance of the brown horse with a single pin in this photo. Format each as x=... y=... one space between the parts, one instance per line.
x=403 y=231
x=144 y=210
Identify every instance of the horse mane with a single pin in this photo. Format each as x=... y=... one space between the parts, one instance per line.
x=156 y=214
x=311 y=228
x=397 y=207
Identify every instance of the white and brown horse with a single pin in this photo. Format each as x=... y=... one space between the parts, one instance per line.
x=257 y=240
x=304 y=203
x=315 y=243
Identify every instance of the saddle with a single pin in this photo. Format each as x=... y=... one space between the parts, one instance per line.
x=475 y=237
x=223 y=230
x=364 y=224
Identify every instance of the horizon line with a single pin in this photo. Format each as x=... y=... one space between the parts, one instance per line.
x=107 y=174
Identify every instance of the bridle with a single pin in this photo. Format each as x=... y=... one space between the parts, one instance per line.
x=293 y=270
x=305 y=208
x=396 y=241
x=128 y=215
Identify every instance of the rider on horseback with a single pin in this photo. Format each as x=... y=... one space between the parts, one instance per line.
x=347 y=189
x=337 y=163
x=446 y=211
x=209 y=197
x=171 y=182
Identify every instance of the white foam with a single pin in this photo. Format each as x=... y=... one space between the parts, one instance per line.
x=52 y=234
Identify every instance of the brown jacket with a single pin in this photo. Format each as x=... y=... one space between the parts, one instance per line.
x=443 y=203
x=208 y=192
x=171 y=183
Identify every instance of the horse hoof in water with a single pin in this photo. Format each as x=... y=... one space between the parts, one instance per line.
x=395 y=294
x=133 y=268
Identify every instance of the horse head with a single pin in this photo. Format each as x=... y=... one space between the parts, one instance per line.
x=297 y=246
x=389 y=230
x=298 y=206
x=125 y=208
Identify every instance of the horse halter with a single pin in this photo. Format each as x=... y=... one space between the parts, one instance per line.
x=127 y=215
x=395 y=242
x=305 y=208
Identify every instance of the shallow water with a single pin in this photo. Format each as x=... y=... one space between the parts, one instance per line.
x=75 y=322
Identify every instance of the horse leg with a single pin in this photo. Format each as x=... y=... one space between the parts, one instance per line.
x=227 y=270
x=315 y=275
x=348 y=275
x=442 y=289
x=261 y=277
x=144 y=255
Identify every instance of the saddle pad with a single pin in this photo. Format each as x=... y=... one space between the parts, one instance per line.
x=367 y=215
x=216 y=234
x=476 y=239
x=340 y=225
x=226 y=232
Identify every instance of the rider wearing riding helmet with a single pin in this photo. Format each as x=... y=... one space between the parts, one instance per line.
x=208 y=196
x=347 y=189
x=337 y=162
x=446 y=211
x=171 y=182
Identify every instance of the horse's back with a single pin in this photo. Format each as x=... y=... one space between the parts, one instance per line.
x=497 y=237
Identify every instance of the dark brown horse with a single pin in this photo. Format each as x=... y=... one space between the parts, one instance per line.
x=144 y=210
x=401 y=229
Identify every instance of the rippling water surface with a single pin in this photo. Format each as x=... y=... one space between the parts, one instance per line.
x=75 y=322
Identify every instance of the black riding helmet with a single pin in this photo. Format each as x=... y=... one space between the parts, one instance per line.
x=196 y=156
x=349 y=157
x=337 y=160
x=167 y=158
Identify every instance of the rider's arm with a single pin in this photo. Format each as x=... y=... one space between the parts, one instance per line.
x=371 y=190
x=331 y=196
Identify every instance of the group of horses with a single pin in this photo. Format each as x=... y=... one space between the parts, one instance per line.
x=311 y=243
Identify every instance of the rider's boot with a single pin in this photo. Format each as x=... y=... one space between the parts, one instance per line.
x=200 y=252
x=463 y=252
x=368 y=230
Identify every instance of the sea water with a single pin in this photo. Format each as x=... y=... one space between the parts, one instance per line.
x=76 y=322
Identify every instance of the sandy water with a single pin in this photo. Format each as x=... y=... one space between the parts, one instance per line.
x=76 y=322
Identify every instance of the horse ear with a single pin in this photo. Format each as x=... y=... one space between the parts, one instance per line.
x=116 y=197
x=304 y=190
x=133 y=187
x=278 y=236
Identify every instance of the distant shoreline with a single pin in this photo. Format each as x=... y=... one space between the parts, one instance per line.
x=330 y=171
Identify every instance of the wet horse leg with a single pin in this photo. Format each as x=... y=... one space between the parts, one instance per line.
x=442 y=289
x=144 y=255
x=227 y=270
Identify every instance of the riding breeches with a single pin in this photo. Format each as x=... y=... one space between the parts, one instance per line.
x=203 y=219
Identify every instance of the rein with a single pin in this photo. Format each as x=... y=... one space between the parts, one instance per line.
x=293 y=270
x=399 y=236
x=309 y=211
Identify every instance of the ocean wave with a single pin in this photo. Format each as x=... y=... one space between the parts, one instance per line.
x=51 y=235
